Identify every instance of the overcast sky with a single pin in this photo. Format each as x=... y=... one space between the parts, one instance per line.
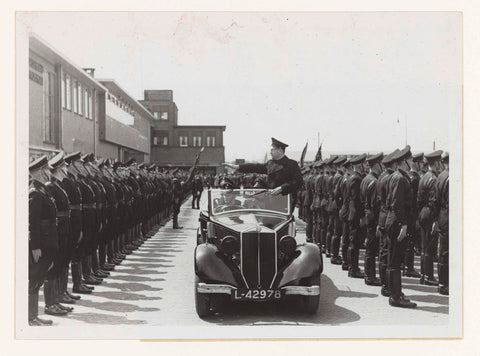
x=358 y=81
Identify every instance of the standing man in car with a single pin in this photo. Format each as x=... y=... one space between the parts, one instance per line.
x=283 y=173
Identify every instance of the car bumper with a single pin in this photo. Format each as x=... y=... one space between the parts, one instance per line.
x=227 y=289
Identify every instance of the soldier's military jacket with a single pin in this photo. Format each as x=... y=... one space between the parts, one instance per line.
x=442 y=199
x=343 y=187
x=283 y=172
x=337 y=193
x=398 y=198
x=426 y=198
x=42 y=215
x=369 y=198
x=382 y=183
x=75 y=198
x=62 y=204
x=355 y=210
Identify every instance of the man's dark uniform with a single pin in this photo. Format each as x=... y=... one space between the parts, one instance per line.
x=442 y=190
x=355 y=213
x=197 y=189
x=330 y=205
x=42 y=228
x=334 y=212
x=427 y=206
x=284 y=172
x=307 y=202
x=343 y=214
x=369 y=198
x=398 y=204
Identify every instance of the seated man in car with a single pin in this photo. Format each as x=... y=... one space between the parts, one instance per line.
x=228 y=200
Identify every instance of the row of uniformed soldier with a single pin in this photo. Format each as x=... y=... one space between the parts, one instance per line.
x=88 y=214
x=399 y=205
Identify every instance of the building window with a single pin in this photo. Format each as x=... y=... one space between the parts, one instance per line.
x=75 y=97
x=210 y=141
x=183 y=141
x=90 y=104
x=197 y=141
x=163 y=140
x=85 y=103
x=49 y=100
x=155 y=141
x=80 y=99
x=64 y=96
x=164 y=115
x=68 y=92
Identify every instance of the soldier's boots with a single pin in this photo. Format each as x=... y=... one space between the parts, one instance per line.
x=36 y=321
x=33 y=319
x=443 y=290
x=409 y=270
x=65 y=298
x=427 y=277
x=336 y=260
x=370 y=278
x=354 y=271
x=54 y=309
x=397 y=298
x=72 y=296
x=385 y=291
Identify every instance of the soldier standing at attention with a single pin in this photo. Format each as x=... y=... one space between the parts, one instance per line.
x=43 y=239
x=176 y=201
x=329 y=207
x=355 y=212
x=344 y=214
x=427 y=205
x=335 y=207
x=197 y=189
x=396 y=226
x=368 y=194
x=283 y=173
x=382 y=217
x=307 y=202
x=442 y=189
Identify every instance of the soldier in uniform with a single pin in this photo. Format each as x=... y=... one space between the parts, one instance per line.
x=334 y=211
x=317 y=204
x=43 y=237
x=177 y=196
x=413 y=237
x=355 y=213
x=307 y=203
x=442 y=190
x=283 y=173
x=343 y=213
x=369 y=198
x=427 y=205
x=197 y=189
x=330 y=204
x=51 y=289
x=382 y=217
x=396 y=227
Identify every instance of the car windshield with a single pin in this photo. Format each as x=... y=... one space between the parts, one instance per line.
x=222 y=201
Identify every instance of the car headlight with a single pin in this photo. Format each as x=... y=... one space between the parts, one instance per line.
x=229 y=245
x=287 y=245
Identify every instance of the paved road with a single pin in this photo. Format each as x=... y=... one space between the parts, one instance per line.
x=154 y=286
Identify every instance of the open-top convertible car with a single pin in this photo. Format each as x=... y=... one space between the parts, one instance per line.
x=247 y=251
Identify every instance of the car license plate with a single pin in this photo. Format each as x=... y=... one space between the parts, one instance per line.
x=257 y=294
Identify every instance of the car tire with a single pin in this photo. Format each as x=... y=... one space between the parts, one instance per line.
x=202 y=302
x=310 y=303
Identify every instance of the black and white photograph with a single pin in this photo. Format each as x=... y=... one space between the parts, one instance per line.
x=239 y=175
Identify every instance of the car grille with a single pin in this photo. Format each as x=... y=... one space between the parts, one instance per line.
x=258 y=258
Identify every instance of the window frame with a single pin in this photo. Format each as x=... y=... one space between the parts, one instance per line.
x=180 y=137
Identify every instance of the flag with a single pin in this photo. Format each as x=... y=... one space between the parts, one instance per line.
x=265 y=159
x=304 y=152
x=192 y=169
x=318 y=156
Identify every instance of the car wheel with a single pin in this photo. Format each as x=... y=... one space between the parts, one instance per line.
x=310 y=303
x=202 y=302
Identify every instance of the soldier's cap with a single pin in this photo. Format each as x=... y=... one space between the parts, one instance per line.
x=330 y=160
x=340 y=160
x=278 y=143
x=72 y=157
x=38 y=164
x=130 y=162
x=88 y=157
x=358 y=159
x=57 y=160
x=152 y=167
x=102 y=162
x=372 y=159
x=388 y=159
x=445 y=157
x=117 y=164
x=418 y=157
x=402 y=154
x=227 y=183
x=348 y=162
x=317 y=164
x=434 y=156
x=141 y=165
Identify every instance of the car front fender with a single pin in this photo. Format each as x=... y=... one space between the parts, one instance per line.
x=307 y=264
x=210 y=266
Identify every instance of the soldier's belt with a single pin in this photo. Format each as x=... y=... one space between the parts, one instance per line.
x=47 y=222
x=89 y=206
x=76 y=207
x=63 y=214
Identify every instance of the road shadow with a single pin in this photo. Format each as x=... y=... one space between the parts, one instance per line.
x=130 y=287
x=153 y=254
x=114 y=306
x=124 y=296
x=94 y=318
x=288 y=311
x=441 y=309
x=131 y=278
x=146 y=259
x=137 y=270
x=418 y=287
x=437 y=299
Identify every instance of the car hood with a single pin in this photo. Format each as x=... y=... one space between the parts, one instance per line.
x=248 y=220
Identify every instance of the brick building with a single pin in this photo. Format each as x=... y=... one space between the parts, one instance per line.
x=176 y=145
x=72 y=111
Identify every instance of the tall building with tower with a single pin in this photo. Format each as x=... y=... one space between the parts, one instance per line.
x=175 y=145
